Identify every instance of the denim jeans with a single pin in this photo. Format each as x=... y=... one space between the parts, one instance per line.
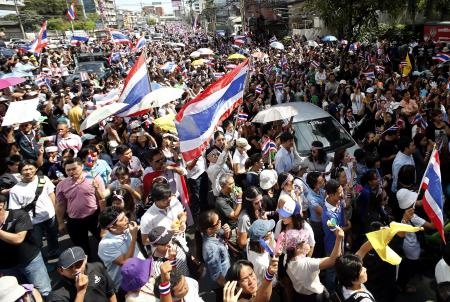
x=50 y=229
x=35 y=273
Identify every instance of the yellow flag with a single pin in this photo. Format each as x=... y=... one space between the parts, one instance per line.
x=381 y=238
x=406 y=70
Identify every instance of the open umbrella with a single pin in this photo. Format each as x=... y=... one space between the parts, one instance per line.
x=160 y=97
x=236 y=56
x=195 y=54
x=312 y=43
x=277 y=45
x=198 y=62
x=329 y=39
x=7 y=82
x=21 y=112
x=205 y=51
x=275 y=113
x=100 y=114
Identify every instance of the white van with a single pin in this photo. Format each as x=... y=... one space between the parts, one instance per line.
x=315 y=124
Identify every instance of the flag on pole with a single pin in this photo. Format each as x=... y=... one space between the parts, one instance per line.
x=258 y=89
x=315 y=64
x=273 y=39
x=441 y=57
x=420 y=121
x=278 y=86
x=195 y=24
x=369 y=74
x=242 y=116
x=71 y=12
x=139 y=44
x=197 y=120
x=433 y=201
x=120 y=38
x=41 y=41
x=77 y=39
x=406 y=69
x=268 y=146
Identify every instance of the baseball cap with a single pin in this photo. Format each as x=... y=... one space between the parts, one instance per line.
x=70 y=256
x=267 y=179
x=160 y=235
x=260 y=228
x=290 y=207
x=135 y=273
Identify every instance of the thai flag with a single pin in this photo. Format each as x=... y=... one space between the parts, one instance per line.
x=169 y=67
x=137 y=85
x=283 y=62
x=387 y=59
x=273 y=39
x=42 y=80
x=369 y=74
x=242 y=116
x=197 y=120
x=140 y=44
x=84 y=76
x=258 y=89
x=41 y=41
x=420 y=121
x=441 y=57
x=218 y=75
x=114 y=57
x=118 y=37
x=379 y=68
x=433 y=201
x=76 y=39
x=195 y=24
x=403 y=64
x=239 y=42
x=268 y=69
x=71 y=12
x=315 y=64
x=278 y=85
x=268 y=146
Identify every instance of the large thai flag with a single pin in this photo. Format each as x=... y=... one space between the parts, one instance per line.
x=118 y=37
x=197 y=120
x=71 y=12
x=41 y=41
x=140 y=44
x=137 y=85
x=77 y=39
x=433 y=201
x=441 y=57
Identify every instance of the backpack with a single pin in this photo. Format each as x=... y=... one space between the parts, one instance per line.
x=337 y=296
x=40 y=187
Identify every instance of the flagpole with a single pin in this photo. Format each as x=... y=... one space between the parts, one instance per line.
x=71 y=22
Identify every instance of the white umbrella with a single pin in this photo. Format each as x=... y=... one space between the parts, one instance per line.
x=160 y=97
x=195 y=54
x=205 y=51
x=275 y=113
x=100 y=114
x=21 y=112
x=277 y=45
x=312 y=43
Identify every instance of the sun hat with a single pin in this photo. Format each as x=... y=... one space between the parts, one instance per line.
x=135 y=273
x=10 y=289
x=243 y=143
x=260 y=228
x=267 y=179
x=406 y=198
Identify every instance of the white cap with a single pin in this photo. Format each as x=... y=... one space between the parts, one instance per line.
x=406 y=198
x=51 y=149
x=267 y=179
x=442 y=272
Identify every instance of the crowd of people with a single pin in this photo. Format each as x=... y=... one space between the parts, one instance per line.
x=267 y=226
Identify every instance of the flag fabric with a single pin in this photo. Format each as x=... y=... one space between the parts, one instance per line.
x=84 y=76
x=273 y=39
x=77 y=39
x=71 y=12
x=315 y=64
x=169 y=67
x=194 y=25
x=239 y=42
x=392 y=128
x=114 y=57
x=433 y=201
x=420 y=121
x=182 y=189
x=242 y=116
x=268 y=69
x=197 y=120
x=218 y=75
x=140 y=44
x=387 y=59
x=42 y=80
x=268 y=146
x=137 y=85
x=379 y=68
x=120 y=38
x=258 y=89
x=278 y=85
x=369 y=74
x=406 y=69
x=441 y=57
x=41 y=41
x=381 y=238
x=283 y=62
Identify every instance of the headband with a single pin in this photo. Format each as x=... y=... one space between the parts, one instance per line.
x=160 y=236
x=316 y=148
x=289 y=178
x=118 y=196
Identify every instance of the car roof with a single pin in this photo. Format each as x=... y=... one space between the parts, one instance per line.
x=308 y=111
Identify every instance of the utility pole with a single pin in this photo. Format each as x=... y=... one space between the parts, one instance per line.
x=20 y=20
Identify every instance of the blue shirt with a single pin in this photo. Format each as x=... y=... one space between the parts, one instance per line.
x=328 y=213
x=314 y=201
x=284 y=160
x=217 y=260
x=101 y=168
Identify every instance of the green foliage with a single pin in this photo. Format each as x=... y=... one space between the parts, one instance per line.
x=57 y=24
x=151 y=21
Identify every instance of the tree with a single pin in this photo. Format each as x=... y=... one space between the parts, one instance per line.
x=350 y=18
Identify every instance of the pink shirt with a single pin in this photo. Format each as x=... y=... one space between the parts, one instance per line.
x=79 y=199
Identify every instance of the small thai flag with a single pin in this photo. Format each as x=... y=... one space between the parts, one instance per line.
x=239 y=42
x=278 y=85
x=273 y=39
x=379 y=68
x=315 y=64
x=441 y=57
x=218 y=75
x=242 y=116
x=391 y=129
x=268 y=69
x=403 y=63
x=420 y=121
x=84 y=76
x=258 y=89
x=77 y=39
x=268 y=146
x=386 y=58
x=369 y=74
x=71 y=12
x=42 y=80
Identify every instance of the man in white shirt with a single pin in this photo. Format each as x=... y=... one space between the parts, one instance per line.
x=404 y=157
x=284 y=159
x=42 y=209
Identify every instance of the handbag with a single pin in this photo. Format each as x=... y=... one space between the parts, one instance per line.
x=196 y=268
